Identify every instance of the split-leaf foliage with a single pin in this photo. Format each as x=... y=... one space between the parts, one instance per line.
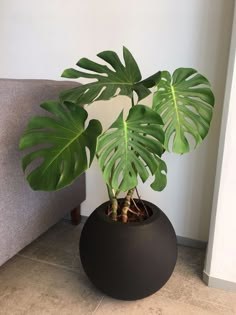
x=62 y=145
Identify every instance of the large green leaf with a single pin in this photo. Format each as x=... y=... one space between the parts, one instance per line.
x=61 y=156
x=118 y=79
x=152 y=80
x=133 y=147
x=185 y=103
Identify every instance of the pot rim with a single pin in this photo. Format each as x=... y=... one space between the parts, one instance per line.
x=100 y=210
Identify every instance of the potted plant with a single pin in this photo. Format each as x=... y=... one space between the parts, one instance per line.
x=128 y=246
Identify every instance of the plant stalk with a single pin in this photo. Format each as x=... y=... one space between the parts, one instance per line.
x=126 y=206
x=114 y=207
x=114 y=203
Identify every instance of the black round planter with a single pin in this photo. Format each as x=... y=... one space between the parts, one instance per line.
x=128 y=261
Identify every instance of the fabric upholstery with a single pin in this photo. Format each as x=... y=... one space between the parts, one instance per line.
x=25 y=214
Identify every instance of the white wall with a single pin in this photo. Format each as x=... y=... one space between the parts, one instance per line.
x=221 y=254
x=38 y=39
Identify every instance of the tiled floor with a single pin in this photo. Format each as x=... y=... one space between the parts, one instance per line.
x=47 y=278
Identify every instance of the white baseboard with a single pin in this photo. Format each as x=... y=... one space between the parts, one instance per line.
x=218 y=283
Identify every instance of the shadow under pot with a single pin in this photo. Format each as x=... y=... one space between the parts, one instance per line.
x=128 y=261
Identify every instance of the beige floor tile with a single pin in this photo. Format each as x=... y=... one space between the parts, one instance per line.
x=30 y=287
x=192 y=291
x=59 y=245
x=184 y=293
x=183 y=296
x=47 y=278
x=152 y=305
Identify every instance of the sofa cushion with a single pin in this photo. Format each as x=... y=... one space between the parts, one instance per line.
x=25 y=214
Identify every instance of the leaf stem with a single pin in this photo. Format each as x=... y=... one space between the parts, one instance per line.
x=110 y=193
x=113 y=198
x=136 y=189
x=132 y=101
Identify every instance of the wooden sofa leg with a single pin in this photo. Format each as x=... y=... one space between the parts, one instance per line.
x=75 y=216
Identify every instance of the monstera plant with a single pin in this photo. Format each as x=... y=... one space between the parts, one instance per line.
x=132 y=147
x=127 y=245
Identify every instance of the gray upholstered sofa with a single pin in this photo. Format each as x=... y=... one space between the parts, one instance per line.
x=25 y=214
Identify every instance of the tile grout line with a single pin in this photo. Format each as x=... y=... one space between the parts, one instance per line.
x=97 y=307
x=60 y=267
x=49 y=263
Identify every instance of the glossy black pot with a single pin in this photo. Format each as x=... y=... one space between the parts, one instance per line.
x=128 y=261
